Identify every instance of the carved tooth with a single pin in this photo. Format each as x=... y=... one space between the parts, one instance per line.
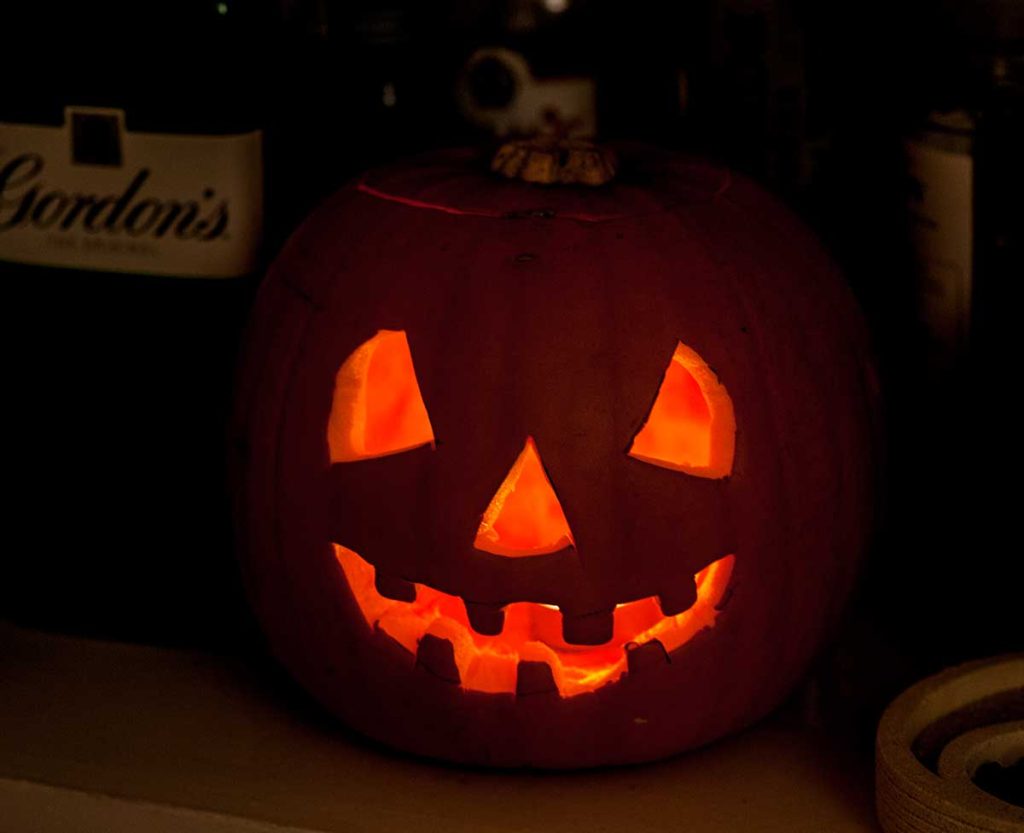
x=394 y=587
x=534 y=677
x=589 y=629
x=437 y=656
x=485 y=619
x=650 y=654
x=678 y=599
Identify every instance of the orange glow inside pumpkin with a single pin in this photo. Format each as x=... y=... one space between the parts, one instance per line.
x=532 y=632
x=691 y=427
x=524 y=517
x=377 y=408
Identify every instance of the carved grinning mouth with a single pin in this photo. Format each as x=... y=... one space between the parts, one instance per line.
x=530 y=640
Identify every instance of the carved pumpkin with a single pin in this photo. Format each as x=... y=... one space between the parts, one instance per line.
x=552 y=476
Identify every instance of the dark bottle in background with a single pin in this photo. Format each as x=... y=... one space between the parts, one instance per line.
x=358 y=84
x=130 y=230
x=964 y=161
x=965 y=176
x=749 y=94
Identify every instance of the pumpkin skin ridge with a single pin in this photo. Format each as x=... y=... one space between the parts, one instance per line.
x=384 y=696
x=728 y=270
x=780 y=226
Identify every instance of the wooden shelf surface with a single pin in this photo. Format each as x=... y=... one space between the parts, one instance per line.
x=101 y=737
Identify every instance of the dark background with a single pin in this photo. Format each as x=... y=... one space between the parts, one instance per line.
x=124 y=530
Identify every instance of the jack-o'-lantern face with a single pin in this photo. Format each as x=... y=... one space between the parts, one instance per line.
x=526 y=645
x=552 y=477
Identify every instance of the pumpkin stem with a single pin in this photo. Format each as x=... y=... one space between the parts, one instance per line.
x=555 y=160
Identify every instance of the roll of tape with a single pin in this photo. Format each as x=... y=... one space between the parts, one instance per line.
x=912 y=797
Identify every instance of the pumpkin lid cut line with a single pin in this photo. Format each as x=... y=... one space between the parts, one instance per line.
x=442 y=181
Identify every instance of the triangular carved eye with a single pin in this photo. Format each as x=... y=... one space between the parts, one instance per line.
x=691 y=427
x=377 y=408
x=524 y=517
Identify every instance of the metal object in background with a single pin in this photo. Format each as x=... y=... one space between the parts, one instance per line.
x=498 y=92
x=530 y=66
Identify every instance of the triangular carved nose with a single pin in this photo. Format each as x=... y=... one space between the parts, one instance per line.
x=524 y=517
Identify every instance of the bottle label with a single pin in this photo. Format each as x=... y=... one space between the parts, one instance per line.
x=92 y=195
x=942 y=213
